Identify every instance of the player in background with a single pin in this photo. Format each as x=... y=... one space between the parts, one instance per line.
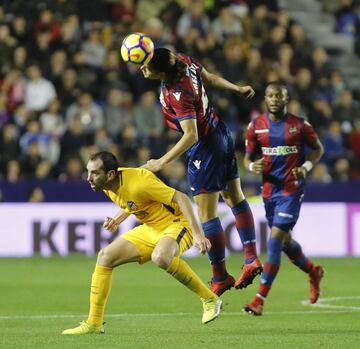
x=275 y=147
x=211 y=163
x=169 y=229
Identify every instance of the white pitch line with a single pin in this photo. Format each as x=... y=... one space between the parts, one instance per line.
x=323 y=303
x=126 y=315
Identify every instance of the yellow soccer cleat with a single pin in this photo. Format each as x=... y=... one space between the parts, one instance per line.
x=85 y=328
x=211 y=308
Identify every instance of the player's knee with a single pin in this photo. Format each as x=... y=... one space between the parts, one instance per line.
x=105 y=259
x=161 y=260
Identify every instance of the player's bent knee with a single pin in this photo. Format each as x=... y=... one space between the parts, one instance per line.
x=160 y=260
x=105 y=259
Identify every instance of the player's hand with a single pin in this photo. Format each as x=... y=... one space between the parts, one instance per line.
x=153 y=165
x=258 y=166
x=110 y=224
x=247 y=91
x=299 y=172
x=202 y=243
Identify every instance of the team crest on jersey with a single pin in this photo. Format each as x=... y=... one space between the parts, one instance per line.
x=132 y=205
x=292 y=129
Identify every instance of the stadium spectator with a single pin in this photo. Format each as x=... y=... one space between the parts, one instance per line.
x=211 y=162
x=74 y=170
x=117 y=114
x=36 y=195
x=157 y=239
x=91 y=115
x=284 y=169
x=148 y=121
x=93 y=49
x=226 y=25
x=39 y=92
x=9 y=144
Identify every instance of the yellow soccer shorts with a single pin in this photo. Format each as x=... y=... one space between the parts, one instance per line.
x=145 y=238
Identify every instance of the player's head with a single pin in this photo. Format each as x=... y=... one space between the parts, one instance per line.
x=276 y=97
x=164 y=65
x=102 y=168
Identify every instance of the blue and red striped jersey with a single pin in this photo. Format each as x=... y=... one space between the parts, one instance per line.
x=282 y=145
x=187 y=99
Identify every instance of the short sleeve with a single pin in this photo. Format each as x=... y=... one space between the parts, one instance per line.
x=250 y=142
x=309 y=134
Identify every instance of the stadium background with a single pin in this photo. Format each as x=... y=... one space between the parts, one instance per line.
x=64 y=93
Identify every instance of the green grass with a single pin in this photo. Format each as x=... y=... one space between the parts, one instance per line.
x=148 y=309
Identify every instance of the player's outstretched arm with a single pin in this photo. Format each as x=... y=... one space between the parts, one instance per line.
x=189 y=137
x=112 y=224
x=223 y=84
x=202 y=243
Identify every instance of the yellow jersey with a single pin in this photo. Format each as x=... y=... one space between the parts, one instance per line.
x=143 y=194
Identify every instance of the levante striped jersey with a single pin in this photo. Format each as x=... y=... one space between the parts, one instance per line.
x=282 y=145
x=187 y=99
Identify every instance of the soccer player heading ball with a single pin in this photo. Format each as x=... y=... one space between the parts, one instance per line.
x=275 y=145
x=169 y=229
x=211 y=163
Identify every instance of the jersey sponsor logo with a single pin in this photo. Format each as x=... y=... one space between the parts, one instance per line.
x=132 y=205
x=197 y=164
x=292 y=129
x=177 y=95
x=279 y=150
x=265 y=130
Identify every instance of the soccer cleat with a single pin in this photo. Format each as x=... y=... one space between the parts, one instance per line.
x=255 y=307
x=316 y=275
x=85 y=328
x=219 y=287
x=211 y=308
x=249 y=272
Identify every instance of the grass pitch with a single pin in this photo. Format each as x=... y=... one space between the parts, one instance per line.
x=148 y=309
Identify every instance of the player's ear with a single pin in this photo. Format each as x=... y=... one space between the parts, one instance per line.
x=111 y=174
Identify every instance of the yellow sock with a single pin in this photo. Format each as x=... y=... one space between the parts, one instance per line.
x=182 y=272
x=100 y=289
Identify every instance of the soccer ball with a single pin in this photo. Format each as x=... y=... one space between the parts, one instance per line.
x=137 y=48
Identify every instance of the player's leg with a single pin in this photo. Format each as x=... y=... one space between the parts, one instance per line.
x=271 y=268
x=166 y=256
x=235 y=199
x=211 y=224
x=316 y=272
x=118 y=252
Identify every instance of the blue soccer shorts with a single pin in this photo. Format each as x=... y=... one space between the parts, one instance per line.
x=211 y=162
x=283 y=210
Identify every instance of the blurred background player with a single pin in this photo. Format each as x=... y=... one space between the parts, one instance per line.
x=279 y=139
x=211 y=163
x=169 y=228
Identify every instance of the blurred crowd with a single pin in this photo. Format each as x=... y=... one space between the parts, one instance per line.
x=347 y=15
x=65 y=93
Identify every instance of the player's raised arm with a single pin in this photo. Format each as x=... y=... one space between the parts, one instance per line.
x=186 y=208
x=223 y=84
